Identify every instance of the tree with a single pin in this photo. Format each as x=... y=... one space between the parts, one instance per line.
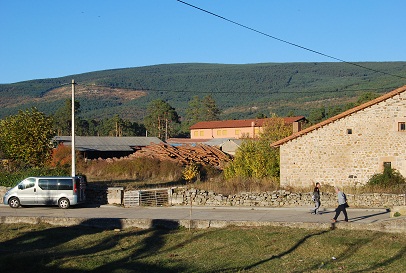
x=256 y=158
x=200 y=110
x=366 y=97
x=26 y=137
x=210 y=111
x=317 y=115
x=193 y=113
x=63 y=118
x=161 y=119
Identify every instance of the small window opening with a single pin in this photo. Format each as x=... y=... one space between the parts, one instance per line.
x=402 y=126
x=349 y=131
x=387 y=167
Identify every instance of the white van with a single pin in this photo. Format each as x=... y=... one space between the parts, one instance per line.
x=61 y=191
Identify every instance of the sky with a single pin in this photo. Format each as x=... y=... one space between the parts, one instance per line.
x=49 y=39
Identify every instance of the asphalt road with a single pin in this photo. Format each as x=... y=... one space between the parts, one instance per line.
x=287 y=215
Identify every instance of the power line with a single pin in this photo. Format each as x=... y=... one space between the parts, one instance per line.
x=289 y=43
x=235 y=92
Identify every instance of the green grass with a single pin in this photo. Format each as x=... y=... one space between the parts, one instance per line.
x=41 y=248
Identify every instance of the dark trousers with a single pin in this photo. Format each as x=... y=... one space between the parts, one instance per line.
x=339 y=209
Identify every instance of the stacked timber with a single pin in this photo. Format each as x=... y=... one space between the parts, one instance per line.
x=185 y=155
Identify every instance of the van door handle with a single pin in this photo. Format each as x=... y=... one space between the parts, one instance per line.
x=35 y=189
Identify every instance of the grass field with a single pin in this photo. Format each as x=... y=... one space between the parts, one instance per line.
x=41 y=248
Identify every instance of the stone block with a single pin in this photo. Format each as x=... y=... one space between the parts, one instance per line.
x=400 y=209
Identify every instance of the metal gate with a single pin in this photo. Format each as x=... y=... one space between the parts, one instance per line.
x=150 y=197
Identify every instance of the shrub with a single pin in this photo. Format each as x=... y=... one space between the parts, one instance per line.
x=190 y=173
x=389 y=177
x=8 y=179
x=137 y=169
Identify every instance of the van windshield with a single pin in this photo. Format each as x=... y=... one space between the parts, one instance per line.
x=27 y=183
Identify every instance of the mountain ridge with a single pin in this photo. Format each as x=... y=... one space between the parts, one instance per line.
x=240 y=90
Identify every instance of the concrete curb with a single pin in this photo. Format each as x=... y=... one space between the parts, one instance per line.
x=391 y=226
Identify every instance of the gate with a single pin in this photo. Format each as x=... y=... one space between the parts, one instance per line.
x=150 y=197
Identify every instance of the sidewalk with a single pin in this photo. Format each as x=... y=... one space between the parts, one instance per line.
x=202 y=217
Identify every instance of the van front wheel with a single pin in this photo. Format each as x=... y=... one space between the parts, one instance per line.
x=14 y=202
x=63 y=203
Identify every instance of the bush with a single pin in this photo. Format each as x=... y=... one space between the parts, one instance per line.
x=137 y=169
x=8 y=179
x=389 y=177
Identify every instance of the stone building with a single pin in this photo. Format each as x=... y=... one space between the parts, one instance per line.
x=347 y=149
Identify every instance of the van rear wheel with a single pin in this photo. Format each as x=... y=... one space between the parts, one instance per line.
x=14 y=202
x=63 y=203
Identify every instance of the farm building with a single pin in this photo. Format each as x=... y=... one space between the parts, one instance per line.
x=236 y=129
x=93 y=147
x=348 y=149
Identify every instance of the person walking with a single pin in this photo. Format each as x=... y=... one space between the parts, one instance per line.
x=316 y=198
x=342 y=205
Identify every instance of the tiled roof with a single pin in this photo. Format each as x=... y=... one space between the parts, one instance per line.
x=340 y=116
x=240 y=123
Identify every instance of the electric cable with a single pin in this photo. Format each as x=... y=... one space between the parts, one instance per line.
x=287 y=42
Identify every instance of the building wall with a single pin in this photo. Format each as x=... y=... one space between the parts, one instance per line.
x=224 y=133
x=332 y=155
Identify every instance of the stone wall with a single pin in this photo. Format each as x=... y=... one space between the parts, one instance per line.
x=348 y=151
x=282 y=198
x=101 y=195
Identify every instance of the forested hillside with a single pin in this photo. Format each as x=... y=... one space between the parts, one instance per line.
x=240 y=91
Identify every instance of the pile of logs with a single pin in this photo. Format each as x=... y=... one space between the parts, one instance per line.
x=185 y=155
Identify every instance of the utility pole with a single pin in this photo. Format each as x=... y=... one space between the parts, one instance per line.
x=73 y=130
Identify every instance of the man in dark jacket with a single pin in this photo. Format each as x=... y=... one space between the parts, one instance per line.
x=316 y=198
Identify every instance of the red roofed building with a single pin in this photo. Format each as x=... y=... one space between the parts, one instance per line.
x=236 y=128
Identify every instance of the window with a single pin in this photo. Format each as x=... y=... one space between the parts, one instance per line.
x=219 y=132
x=195 y=133
x=201 y=133
x=65 y=184
x=349 y=131
x=401 y=126
x=237 y=132
x=387 y=165
x=224 y=132
x=27 y=183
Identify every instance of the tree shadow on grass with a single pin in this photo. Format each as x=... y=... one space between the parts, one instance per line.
x=55 y=249
x=352 y=250
x=279 y=256
x=401 y=255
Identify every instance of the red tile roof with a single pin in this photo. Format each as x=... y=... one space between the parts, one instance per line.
x=340 y=116
x=240 y=123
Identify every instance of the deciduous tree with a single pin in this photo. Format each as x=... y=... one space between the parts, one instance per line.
x=255 y=157
x=26 y=137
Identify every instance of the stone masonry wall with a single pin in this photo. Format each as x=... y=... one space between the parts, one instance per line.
x=283 y=198
x=331 y=155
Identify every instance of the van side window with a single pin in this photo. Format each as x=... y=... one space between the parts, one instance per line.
x=47 y=184
x=65 y=184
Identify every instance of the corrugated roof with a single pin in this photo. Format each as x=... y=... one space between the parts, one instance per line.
x=94 y=143
x=340 y=116
x=240 y=123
